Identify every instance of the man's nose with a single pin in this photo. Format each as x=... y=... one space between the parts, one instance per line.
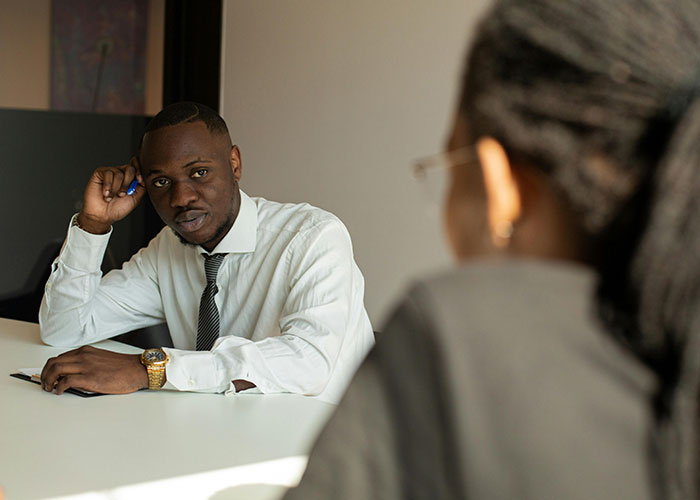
x=182 y=194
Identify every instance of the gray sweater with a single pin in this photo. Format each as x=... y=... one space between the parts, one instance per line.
x=494 y=381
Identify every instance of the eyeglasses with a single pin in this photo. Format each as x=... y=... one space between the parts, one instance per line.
x=432 y=172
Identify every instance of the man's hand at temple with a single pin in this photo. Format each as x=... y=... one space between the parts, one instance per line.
x=94 y=370
x=106 y=200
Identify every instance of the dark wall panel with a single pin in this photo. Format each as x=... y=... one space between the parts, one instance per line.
x=46 y=159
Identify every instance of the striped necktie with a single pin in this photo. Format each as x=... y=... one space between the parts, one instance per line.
x=208 y=325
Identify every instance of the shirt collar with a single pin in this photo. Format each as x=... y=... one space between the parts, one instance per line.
x=242 y=236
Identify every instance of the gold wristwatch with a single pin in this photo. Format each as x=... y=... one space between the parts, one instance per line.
x=155 y=360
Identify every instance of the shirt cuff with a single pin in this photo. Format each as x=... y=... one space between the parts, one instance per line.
x=191 y=371
x=208 y=371
x=199 y=371
x=84 y=251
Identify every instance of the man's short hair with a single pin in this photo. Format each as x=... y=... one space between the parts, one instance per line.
x=187 y=112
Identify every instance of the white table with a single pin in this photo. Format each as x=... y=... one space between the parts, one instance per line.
x=209 y=445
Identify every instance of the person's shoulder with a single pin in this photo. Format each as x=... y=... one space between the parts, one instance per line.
x=503 y=279
x=506 y=297
x=505 y=305
x=293 y=218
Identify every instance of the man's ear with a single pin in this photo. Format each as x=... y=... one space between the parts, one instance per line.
x=236 y=163
x=503 y=196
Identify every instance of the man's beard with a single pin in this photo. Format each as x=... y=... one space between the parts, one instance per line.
x=219 y=231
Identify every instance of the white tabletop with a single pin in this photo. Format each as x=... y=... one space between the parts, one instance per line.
x=162 y=443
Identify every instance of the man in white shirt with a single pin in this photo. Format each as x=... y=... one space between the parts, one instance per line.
x=278 y=309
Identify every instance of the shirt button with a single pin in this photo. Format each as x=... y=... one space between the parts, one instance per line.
x=190 y=382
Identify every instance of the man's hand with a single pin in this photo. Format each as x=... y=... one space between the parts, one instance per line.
x=105 y=200
x=95 y=370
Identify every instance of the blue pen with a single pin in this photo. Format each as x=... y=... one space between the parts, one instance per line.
x=132 y=187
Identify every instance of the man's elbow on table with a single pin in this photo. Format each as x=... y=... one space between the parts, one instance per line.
x=55 y=338
x=57 y=333
x=309 y=380
x=316 y=379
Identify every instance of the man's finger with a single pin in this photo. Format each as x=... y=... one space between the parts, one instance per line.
x=56 y=371
x=129 y=176
x=79 y=381
x=49 y=363
x=107 y=178
x=117 y=182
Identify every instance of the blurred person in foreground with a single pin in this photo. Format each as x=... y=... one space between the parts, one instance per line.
x=561 y=359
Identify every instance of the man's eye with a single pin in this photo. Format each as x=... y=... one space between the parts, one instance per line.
x=160 y=182
x=199 y=173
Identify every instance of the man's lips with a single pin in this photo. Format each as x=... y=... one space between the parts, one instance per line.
x=191 y=220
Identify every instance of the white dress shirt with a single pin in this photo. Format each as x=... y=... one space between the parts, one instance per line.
x=290 y=301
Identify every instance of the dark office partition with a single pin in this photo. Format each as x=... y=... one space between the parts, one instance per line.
x=46 y=159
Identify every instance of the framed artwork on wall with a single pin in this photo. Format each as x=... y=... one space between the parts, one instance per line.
x=98 y=55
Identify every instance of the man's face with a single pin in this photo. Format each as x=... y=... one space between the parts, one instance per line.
x=191 y=176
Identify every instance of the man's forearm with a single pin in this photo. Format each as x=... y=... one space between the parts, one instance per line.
x=71 y=286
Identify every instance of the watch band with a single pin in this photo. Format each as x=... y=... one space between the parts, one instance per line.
x=74 y=222
x=156 y=377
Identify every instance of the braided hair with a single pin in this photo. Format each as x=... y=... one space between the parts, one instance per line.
x=604 y=97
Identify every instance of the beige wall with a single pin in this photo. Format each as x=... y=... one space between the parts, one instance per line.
x=25 y=54
x=331 y=102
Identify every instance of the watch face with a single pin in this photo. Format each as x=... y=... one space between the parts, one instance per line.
x=153 y=356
